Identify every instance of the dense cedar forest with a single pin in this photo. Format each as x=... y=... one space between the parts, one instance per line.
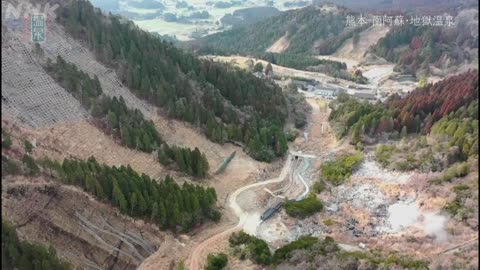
x=189 y=161
x=18 y=254
x=415 y=113
x=299 y=61
x=129 y=125
x=414 y=48
x=224 y=101
x=165 y=203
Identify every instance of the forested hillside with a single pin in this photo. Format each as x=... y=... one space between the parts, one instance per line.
x=416 y=113
x=308 y=30
x=446 y=112
x=224 y=101
x=415 y=48
x=426 y=105
x=127 y=124
x=163 y=202
x=460 y=128
x=114 y=117
x=303 y=33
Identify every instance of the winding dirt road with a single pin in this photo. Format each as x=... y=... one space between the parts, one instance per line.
x=250 y=219
x=244 y=217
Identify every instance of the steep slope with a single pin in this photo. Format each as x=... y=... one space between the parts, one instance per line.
x=351 y=50
x=34 y=99
x=417 y=112
x=294 y=39
x=434 y=101
x=86 y=233
x=314 y=29
x=224 y=101
x=59 y=127
x=438 y=121
x=415 y=49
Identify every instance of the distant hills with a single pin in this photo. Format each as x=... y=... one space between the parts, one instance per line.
x=415 y=48
x=249 y=16
x=425 y=7
x=313 y=29
x=321 y=30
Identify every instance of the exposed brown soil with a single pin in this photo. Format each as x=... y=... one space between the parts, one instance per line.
x=280 y=45
x=82 y=140
x=74 y=223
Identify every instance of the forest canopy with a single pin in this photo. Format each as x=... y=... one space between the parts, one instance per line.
x=225 y=102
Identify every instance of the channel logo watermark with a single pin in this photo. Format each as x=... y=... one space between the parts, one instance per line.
x=38 y=28
x=29 y=19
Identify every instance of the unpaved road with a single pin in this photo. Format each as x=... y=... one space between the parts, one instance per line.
x=243 y=216
x=250 y=220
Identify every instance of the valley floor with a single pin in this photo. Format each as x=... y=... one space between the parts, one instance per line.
x=376 y=209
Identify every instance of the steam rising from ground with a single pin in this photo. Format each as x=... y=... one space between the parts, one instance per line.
x=434 y=224
x=402 y=215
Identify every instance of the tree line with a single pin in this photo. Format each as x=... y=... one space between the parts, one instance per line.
x=129 y=125
x=309 y=63
x=165 y=203
x=189 y=161
x=162 y=202
x=426 y=105
x=318 y=253
x=222 y=100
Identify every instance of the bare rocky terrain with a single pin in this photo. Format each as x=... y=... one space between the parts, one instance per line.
x=392 y=211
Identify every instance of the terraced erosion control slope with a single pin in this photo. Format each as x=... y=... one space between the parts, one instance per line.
x=36 y=108
x=31 y=97
x=87 y=233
